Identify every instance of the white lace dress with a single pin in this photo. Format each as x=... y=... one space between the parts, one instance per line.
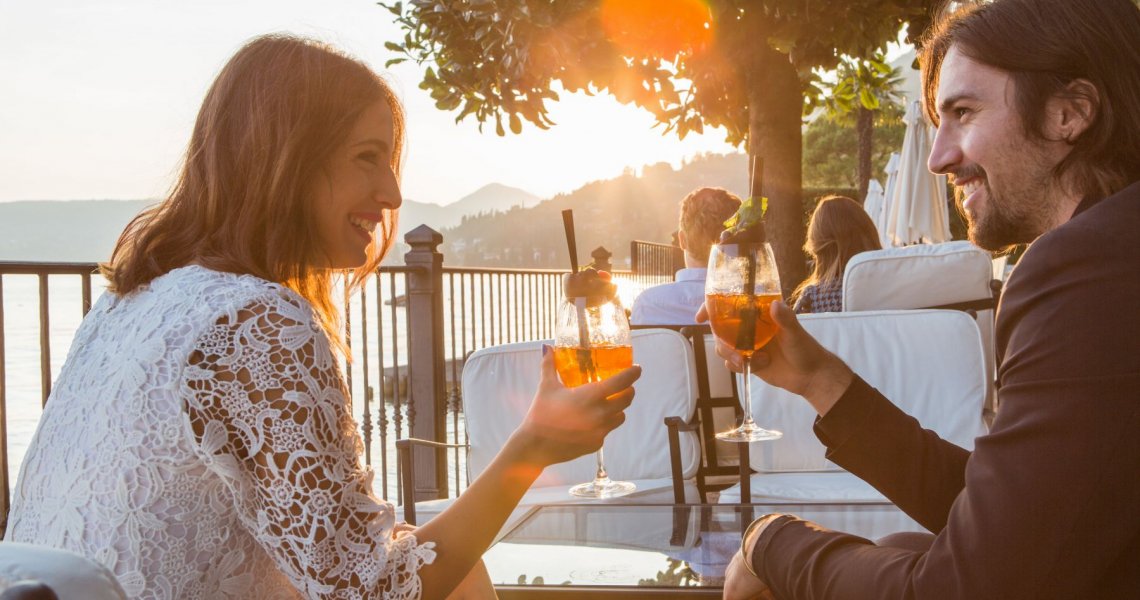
x=199 y=444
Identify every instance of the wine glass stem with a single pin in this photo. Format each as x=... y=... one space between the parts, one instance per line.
x=601 y=475
x=747 y=422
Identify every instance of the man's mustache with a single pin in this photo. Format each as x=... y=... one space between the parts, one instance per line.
x=967 y=172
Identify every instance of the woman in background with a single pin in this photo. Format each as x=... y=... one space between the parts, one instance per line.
x=199 y=441
x=839 y=229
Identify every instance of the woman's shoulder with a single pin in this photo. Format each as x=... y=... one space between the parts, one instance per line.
x=223 y=293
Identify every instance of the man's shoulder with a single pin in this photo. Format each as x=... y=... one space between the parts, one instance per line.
x=1076 y=288
x=672 y=303
x=1104 y=236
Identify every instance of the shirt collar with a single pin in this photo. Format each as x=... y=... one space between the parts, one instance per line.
x=690 y=275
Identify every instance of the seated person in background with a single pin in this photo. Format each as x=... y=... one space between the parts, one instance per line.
x=839 y=229
x=703 y=213
x=199 y=441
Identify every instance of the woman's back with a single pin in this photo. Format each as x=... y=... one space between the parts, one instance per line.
x=112 y=467
x=115 y=471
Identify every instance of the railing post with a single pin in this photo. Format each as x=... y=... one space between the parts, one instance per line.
x=427 y=397
x=601 y=258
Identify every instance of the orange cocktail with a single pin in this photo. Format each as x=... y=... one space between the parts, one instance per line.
x=577 y=365
x=727 y=312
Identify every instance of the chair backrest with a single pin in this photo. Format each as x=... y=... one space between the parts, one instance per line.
x=928 y=362
x=718 y=403
x=918 y=276
x=499 y=384
x=948 y=275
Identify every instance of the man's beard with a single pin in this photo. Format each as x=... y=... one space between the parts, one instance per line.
x=1005 y=222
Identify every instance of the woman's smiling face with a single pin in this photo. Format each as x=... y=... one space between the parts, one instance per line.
x=356 y=185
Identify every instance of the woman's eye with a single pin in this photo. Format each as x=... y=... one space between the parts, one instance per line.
x=369 y=157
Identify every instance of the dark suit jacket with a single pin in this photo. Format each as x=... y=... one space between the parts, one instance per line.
x=1048 y=503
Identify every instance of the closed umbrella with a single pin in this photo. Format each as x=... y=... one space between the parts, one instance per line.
x=916 y=205
x=874 y=205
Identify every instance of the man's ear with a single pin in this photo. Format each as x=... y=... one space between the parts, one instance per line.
x=681 y=241
x=1071 y=112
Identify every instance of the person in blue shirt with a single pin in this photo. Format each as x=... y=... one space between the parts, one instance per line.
x=703 y=213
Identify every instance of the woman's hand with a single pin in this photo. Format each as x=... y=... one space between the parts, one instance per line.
x=565 y=423
x=739 y=584
x=793 y=360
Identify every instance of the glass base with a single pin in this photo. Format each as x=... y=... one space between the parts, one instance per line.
x=603 y=488
x=749 y=432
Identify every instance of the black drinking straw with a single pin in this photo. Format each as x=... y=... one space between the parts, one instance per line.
x=746 y=337
x=585 y=363
x=568 y=225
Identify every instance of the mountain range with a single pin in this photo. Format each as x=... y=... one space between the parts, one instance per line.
x=86 y=230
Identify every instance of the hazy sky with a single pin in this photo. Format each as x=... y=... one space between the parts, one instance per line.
x=97 y=99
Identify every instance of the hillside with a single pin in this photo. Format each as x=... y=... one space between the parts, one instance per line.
x=607 y=213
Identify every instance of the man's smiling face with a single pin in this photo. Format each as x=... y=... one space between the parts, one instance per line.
x=1005 y=175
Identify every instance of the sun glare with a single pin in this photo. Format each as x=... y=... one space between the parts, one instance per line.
x=661 y=28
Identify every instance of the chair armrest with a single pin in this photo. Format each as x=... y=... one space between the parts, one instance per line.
x=676 y=425
x=407 y=470
x=28 y=590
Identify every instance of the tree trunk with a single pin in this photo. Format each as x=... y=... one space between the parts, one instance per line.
x=775 y=101
x=864 y=129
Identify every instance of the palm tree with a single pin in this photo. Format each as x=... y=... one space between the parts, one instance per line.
x=865 y=89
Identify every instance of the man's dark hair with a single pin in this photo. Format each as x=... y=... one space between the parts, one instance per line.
x=1045 y=45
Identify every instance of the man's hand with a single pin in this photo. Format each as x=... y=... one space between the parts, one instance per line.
x=739 y=584
x=793 y=360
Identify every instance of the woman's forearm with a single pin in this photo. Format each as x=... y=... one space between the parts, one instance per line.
x=464 y=531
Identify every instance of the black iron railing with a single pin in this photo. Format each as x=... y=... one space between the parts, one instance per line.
x=652 y=263
x=409 y=330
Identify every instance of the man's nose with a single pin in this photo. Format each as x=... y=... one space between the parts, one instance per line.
x=945 y=152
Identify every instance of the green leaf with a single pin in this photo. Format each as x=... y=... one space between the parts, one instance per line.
x=750 y=213
x=516 y=124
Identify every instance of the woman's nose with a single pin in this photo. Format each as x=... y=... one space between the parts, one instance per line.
x=388 y=193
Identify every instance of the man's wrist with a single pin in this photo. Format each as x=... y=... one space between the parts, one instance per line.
x=828 y=385
x=753 y=533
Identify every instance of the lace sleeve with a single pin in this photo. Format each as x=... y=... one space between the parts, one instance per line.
x=268 y=407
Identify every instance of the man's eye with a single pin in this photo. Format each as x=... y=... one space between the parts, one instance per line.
x=961 y=112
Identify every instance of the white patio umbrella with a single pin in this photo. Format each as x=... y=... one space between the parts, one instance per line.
x=916 y=203
x=874 y=204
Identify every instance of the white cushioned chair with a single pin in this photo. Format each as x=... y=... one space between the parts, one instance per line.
x=499 y=384
x=67 y=574
x=928 y=362
x=957 y=275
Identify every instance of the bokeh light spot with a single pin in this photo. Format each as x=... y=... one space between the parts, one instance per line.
x=658 y=28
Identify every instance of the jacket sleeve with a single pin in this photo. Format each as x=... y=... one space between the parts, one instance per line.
x=1046 y=503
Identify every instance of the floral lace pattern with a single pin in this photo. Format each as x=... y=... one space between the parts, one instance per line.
x=199 y=444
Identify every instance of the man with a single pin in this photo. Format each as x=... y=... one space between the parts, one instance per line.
x=1038 y=108
x=703 y=213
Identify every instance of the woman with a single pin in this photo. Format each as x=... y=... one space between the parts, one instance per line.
x=198 y=441
x=839 y=229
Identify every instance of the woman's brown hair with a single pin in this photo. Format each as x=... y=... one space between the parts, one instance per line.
x=1045 y=45
x=839 y=229
x=242 y=202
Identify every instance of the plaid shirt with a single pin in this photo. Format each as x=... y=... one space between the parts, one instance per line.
x=827 y=297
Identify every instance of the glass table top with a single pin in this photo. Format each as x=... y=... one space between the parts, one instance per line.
x=647 y=546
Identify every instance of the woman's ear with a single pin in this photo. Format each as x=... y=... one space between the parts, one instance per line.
x=1071 y=112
